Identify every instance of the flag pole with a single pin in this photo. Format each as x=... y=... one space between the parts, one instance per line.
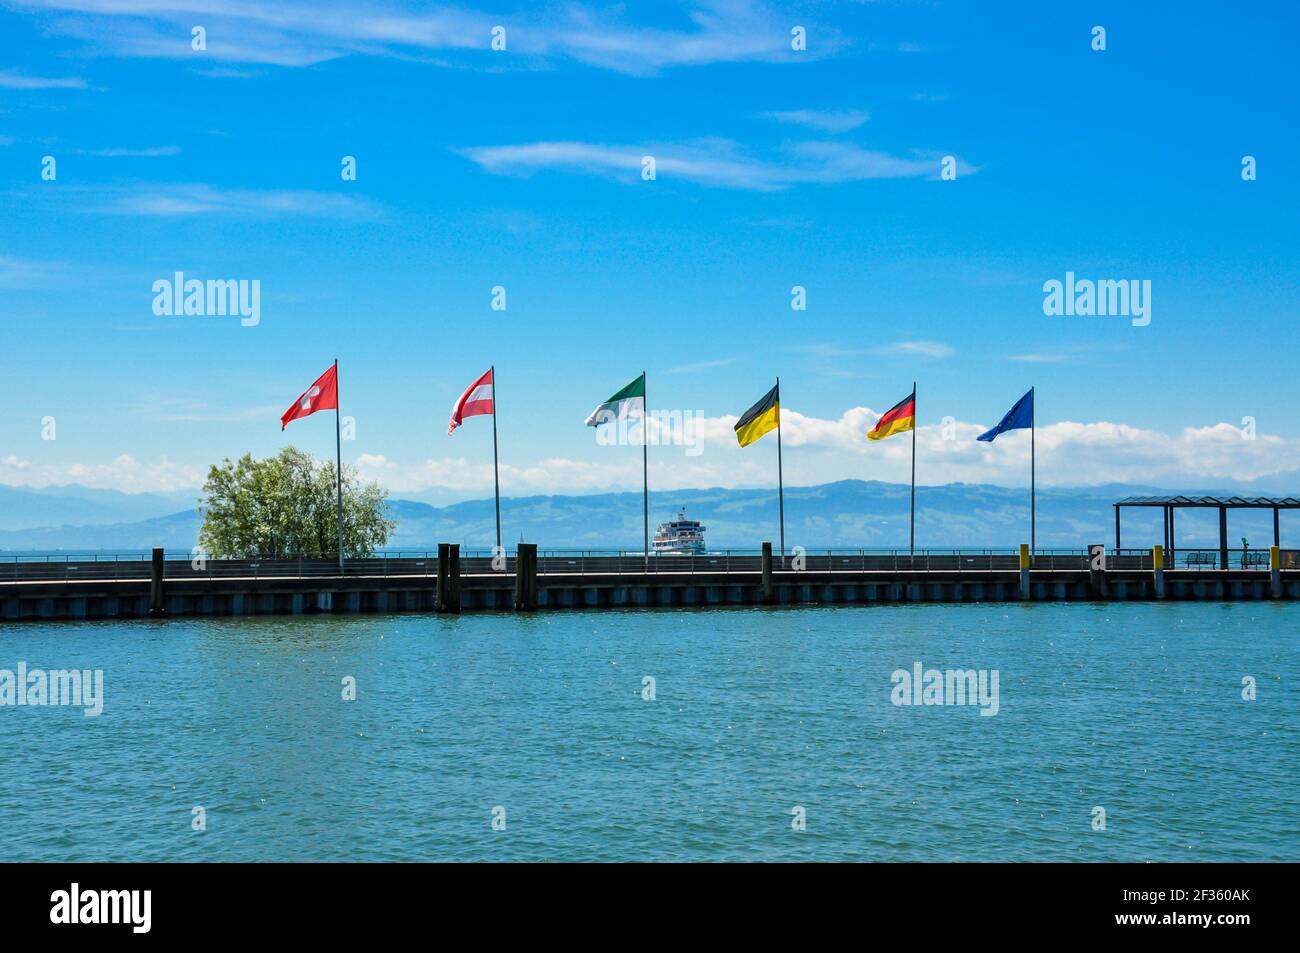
x=496 y=477
x=911 y=544
x=338 y=449
x=780 y=480
x=645 y=472
x=1033 y=512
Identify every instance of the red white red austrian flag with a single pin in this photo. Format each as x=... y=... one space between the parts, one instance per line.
x=477 y=399
x=322 y=395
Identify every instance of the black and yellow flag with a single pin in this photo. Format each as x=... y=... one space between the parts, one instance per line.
x=897 y=419
x=759 y=419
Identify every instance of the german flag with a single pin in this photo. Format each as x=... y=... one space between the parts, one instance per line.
x=897 y=419
x=759 y=419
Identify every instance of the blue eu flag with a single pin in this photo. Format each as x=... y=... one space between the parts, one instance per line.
x=1017 y=418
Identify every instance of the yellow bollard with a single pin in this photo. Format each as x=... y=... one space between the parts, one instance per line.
x=1158 y=556
x=1025 y=591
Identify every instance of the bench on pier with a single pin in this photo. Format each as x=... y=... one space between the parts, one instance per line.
x=1208 y=560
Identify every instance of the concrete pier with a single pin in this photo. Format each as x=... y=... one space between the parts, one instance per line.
x=500 y=591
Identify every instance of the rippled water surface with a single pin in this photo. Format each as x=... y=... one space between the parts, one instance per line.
x=1135 y=708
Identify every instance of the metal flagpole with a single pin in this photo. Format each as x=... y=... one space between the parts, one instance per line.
x=911 y=545
x=338 y=448
x=645 y=471
x=496 y=478
x=1033 y=512
x=780 y=480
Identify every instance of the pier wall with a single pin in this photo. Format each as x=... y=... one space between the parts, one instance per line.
x=200 y=596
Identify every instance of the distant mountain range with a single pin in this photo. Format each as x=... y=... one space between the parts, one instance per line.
x=73 y=505
x=845 y=514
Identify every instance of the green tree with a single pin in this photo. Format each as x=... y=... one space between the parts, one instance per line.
x=284 y=506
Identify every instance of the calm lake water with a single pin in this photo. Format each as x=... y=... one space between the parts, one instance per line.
x=1134 y=708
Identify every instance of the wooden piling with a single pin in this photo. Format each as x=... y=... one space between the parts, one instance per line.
x=1025 y=591
x=156 y=607
x=448 y=595
x=1158 y=570
x=767 y=594
x=1097 y=571
x=526 y=577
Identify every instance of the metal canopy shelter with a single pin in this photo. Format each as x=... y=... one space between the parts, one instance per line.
x=1221 y=503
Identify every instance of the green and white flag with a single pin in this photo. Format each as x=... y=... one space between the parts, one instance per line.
x=628 y=401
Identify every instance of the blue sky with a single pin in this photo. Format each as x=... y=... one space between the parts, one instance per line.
x=776 y=168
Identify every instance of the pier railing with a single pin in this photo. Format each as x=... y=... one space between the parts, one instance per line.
x=127 y=566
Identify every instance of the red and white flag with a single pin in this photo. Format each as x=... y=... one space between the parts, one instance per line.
x=322 y=395
x=477 y=399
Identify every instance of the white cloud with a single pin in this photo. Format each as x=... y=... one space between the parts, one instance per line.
x=118 y=153
x=187 y=408
x=299 y=33
x=1042 y=357
x=819 y=450
x=122 y=473
x=1073 y=354
x=10 y=80
x=169 y=200
x=816 y=451
x=922 y=348
x=28 y=272
x=833 y=120
x=716 y=162
x=827 y=351
x=226 y=72
x=702 y=366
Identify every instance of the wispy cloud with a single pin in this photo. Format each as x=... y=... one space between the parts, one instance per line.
x=299 y=33
x=839 y=120
x=10 y=80
x=226 y=72
x=702 y=366
x=826 y=350
x=934 y=349
x=21 y=273
x=1043 y=357
x=252 y=203
x=149 y=153
x=176 y=408
x=1072 y=354
x=716 y=162
x=511 y=221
